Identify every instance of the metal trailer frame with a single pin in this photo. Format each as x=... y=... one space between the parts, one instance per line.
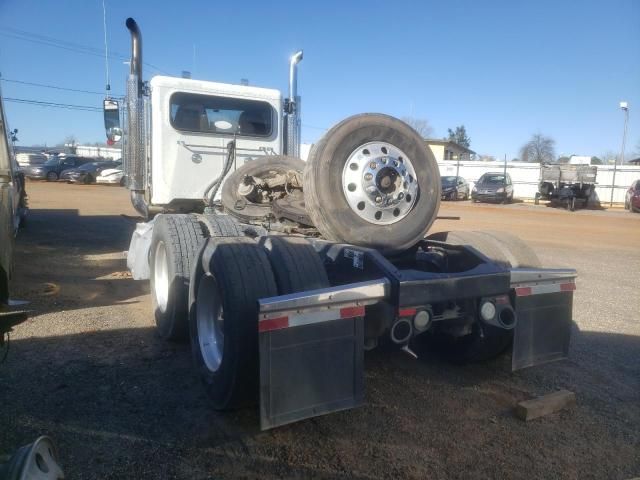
x=312 y=343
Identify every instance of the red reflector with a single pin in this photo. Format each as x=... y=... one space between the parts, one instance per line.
x=273 y=324
x=350 y=312
x=407 y=312
x=523 y=291
x=502 y=300
x=567 y=287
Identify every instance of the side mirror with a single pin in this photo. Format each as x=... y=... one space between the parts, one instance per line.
x=112 y=121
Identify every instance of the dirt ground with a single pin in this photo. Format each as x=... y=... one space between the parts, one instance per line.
x=88 y=370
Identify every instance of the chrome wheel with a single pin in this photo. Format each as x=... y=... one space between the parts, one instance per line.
x=210 y=323
x=379 y=183
x=161 y=277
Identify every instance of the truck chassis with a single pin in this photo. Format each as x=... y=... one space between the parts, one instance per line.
x=301 y=311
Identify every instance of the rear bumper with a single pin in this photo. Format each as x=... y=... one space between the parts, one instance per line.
x=311 y=344
x=489 y=197
x=108 y=180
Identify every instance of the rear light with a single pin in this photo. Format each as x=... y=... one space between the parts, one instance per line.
x=487 y=311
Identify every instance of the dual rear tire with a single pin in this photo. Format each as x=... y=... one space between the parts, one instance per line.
x=229 y=276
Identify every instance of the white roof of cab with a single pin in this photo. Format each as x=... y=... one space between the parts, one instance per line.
x=201 y=86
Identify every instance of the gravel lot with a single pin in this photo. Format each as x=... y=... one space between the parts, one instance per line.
x=88 y=370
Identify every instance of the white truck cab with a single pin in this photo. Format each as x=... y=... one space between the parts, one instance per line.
x=183 y=136
x=192 y=121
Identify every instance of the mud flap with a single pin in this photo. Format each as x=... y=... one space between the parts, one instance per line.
x=311 y=370
x=543 y=329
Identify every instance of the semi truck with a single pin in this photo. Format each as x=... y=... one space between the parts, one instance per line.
x=282 y=273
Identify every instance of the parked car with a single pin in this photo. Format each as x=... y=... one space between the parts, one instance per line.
x=88 y=172
x=632 y=198
x=493 y=187
x=454 y=188
x=53 y=168
x=111 y=176
x=30 y=159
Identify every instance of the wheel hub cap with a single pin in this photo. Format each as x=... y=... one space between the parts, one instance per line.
x=161 y=277
x=379 y=183
x=210 y=323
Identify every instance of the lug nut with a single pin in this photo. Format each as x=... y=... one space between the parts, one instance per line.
x=400 y=196
x=373 y=165
x=384 y=160
x=368 y=176
x=378 y=199
x=395 y=163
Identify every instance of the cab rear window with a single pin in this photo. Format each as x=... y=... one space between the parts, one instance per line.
x=192 y=112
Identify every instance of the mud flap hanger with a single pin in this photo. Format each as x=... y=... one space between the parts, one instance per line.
x=318 y=367
x=544 y=307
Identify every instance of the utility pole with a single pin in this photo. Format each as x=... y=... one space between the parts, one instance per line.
x=624 y=106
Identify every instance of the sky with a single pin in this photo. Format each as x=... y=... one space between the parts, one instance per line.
x=503 y=69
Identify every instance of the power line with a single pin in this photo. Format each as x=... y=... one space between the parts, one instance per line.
x=64 y=45
x=22 y=82
x=87 y=108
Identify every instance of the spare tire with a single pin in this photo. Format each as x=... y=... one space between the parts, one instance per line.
x=239 y=205
x=372 y=181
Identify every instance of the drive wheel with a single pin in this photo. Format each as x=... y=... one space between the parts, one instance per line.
x=174 y=242
x=372 y=181
x=52 y=177
x=223 y=320
x=220 y=225
x=238 y=197
x=295 y=264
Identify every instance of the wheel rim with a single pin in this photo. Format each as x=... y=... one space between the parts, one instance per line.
x=161 y=277
x=379 y=183
x=210 y=323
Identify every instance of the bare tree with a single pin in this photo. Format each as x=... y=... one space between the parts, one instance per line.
x=540 y=149
x=420 y=125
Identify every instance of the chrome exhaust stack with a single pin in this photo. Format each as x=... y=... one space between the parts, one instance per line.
x=292 y=109
x=135 y=161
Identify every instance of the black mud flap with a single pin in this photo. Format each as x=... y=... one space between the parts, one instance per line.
x=310 y=370
x=543 y=329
